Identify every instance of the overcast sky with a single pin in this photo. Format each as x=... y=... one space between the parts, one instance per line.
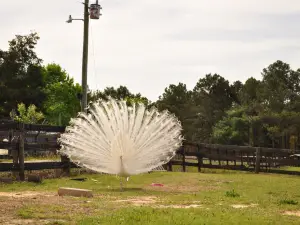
x=149 y=44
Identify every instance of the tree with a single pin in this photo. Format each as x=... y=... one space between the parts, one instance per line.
x=121 y=93
x=21 y=77
x=27 y=115
x=61 y=103
x=281 y=86
x=237 y=88
x=136 y=99
x=233 y=129
x=178 y=100
x=175 y=98
x=270 y=108
x=249 y=93
x=214 y=95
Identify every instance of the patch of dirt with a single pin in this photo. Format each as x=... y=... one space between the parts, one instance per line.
x=26 y=194
x=20 y=222
x=178 y=206
x=29 y=222
x=12 y=202
x=138 y=201
x=151 y=201
x=291 y=213
x=182 y=188
x=243 y=206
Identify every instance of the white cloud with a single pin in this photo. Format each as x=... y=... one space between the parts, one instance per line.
x=148 y=44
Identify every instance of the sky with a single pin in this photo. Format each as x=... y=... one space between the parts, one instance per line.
x=148 y=44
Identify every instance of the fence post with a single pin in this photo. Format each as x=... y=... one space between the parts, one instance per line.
x=227 y=162
x=242 y=159
x=183 y=160
x=15 y=157
x=234 y=159
x=21 y=152
x=257 y=160
x=10 y=135
x=170 y=168
x=66 y=168
x=200 y=159
x=218 y=151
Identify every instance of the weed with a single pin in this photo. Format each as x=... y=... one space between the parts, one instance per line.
x=288 y=202
x=232 y=194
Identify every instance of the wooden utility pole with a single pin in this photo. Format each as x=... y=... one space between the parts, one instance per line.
x=85 y=56
x=93 y=14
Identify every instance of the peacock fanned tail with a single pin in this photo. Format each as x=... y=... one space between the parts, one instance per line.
x=117 y=139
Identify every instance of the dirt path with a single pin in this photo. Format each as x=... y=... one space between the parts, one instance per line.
x=12 y=202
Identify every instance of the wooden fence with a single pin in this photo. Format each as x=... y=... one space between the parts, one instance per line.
x=20 y=139
x=234 y=157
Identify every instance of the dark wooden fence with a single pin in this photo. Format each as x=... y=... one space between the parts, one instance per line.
x=27 y=139
x=22 y=139
x=235 y=158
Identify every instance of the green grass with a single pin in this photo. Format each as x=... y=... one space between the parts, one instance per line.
x=50 y=157
x=288 y=201
x=46 y=157
x=216 y=191
x=232 y=194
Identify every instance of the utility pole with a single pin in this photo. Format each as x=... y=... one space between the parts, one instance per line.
x=93 y=14
x=85 y=55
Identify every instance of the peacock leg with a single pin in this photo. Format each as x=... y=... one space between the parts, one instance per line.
x=121 y=184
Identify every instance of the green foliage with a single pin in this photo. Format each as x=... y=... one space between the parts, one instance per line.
x=250 y=91
x=288 y=202
x=136 y=99
x=178 y=100
x=29 y=115
x=21 y=77
x=62 y=101
x=270 y=111
x=199 y=110
x=232 y=194
x=214 y=96
x=233 y=128
x=280 y=86
x=121 y=93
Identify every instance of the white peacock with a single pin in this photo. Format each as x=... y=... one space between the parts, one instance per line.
x=114 y=138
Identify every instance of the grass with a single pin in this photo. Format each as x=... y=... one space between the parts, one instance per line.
x=220 y=195
x=49 y=157
x=288 y=202
x=232 y=194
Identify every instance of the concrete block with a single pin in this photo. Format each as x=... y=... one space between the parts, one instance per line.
x=63 y=191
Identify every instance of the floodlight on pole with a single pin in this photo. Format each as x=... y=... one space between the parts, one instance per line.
x=71 y=19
